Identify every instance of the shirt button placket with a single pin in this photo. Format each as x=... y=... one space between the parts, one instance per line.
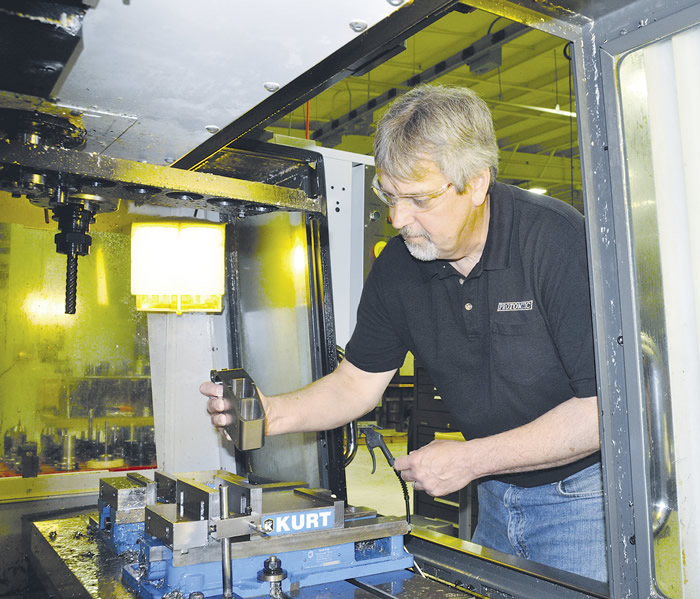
x=468 y=306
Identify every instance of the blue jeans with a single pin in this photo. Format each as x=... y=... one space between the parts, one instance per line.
x=559 y=524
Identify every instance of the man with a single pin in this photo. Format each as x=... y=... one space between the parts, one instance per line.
x=487 y=285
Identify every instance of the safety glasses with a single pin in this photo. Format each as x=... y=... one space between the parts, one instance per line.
x=419 y=201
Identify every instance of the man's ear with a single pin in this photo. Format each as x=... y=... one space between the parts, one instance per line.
x=480 y=187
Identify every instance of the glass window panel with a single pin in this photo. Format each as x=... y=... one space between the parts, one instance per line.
x=74 y=389
x=660 y=91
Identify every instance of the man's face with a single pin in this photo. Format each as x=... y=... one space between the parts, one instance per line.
x=444 y=227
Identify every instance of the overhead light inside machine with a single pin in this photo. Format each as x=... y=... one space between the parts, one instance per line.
x=178 y=266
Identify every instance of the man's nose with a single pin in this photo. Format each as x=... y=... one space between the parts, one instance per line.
x=400 y=215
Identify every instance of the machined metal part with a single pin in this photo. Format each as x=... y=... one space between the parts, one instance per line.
x=180 y=534
x=44 y=167
x=196 y=501
x=166 y=486
x=127 y=493
x=247 y=427
x=245 y=496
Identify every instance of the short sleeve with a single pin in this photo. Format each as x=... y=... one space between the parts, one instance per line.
x=567 y=303
x=376 y=345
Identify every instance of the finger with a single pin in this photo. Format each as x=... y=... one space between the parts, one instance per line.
x=213 y=407
x=211 y=389
x=221 y=419
x=401 y=463
x=408 y=476
x=216 y=405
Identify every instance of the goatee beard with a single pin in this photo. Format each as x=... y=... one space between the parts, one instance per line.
x=426 y=251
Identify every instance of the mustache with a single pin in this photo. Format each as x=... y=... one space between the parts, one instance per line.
x=414 y=232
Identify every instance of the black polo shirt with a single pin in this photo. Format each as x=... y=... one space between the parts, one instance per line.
x=505 y=344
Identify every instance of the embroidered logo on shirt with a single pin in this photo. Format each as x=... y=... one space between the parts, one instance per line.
x=514 y=306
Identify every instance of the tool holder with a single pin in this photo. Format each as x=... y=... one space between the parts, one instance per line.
x=247 y=428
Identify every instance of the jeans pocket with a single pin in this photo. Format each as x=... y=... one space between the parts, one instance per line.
x=585 y=483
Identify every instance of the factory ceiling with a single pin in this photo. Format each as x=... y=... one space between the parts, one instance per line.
x=523 y=74
x=162 y=83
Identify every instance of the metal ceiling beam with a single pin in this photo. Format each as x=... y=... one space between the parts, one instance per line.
x=351 y=58
x=524 y=166
x=478 y=50
x=536 y=133
x=104 y=181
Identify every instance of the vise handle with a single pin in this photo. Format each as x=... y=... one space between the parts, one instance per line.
x=247 y=427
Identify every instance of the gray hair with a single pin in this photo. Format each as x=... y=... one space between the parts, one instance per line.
x=450 y=126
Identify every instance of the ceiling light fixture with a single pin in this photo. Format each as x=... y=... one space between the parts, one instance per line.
x=557 y=111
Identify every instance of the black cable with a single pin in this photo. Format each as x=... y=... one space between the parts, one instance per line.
x=405 y=496
x=488 y=32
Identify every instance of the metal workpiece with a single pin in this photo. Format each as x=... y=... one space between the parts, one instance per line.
x=246 y=496
x=103 y=181
x=195 y=500
x=166 y=487
x=125 y=493
x=247 y=427
x=179 y=534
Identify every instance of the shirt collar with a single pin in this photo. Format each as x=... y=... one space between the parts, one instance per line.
x=496 y=254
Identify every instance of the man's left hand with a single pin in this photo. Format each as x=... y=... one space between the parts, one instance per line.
x=438 y=468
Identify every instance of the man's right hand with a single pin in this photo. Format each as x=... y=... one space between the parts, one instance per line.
x=217 y=406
